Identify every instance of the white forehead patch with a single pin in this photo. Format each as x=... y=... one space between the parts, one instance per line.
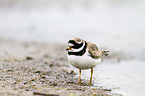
x=70 y=44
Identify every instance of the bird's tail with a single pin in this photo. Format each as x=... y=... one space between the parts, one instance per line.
x=105 y=52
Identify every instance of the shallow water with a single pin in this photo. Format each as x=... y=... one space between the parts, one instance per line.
x=116 y=26
x=127 y=75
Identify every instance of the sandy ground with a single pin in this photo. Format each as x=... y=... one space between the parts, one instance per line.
x=40 y=69
x=29 y=68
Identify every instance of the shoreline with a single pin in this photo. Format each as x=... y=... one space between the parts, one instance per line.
x=41 y=68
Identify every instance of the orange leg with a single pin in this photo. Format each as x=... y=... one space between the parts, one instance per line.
x=91 y=75
x=79 y=76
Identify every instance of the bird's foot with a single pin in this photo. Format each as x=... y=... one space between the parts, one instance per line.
x=79 y=81
x=90 y=82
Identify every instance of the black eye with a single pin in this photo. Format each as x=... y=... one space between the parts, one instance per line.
x=77 y=45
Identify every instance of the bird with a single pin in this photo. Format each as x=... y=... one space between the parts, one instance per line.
x=84 y=55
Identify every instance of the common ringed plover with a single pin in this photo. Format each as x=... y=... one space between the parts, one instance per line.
x=84 y=55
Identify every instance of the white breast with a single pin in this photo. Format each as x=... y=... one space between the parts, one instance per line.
x=83 y=62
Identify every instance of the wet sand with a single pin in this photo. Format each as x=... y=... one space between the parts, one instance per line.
x=30 y=69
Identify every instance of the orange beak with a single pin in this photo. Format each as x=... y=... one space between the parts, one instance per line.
x=68 y=48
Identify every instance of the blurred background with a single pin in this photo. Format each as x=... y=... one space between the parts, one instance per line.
x=117 y=25
x=100 y=21
x=114 y=24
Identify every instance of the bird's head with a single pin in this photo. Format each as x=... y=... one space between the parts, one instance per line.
x=75 y=43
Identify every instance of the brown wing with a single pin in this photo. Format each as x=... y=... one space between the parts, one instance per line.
x=93 y=50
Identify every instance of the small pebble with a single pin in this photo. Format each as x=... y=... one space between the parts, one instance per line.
x=43 y=77
x=29 y=58
x=32 y=79
x=27 y=90
x=106 y=89
x=37 y=71
x=51 y=65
